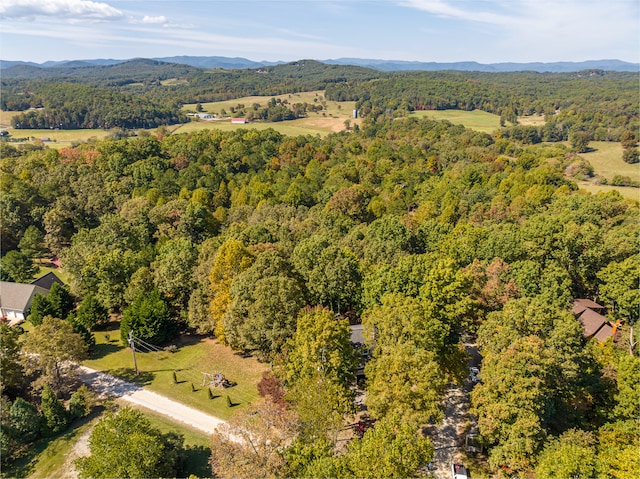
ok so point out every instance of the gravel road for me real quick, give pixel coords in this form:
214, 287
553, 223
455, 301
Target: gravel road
107, 385
447, 439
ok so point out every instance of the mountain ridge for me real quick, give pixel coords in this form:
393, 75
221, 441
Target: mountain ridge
378, 64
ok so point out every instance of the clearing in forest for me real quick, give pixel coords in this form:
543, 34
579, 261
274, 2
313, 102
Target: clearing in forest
193, 356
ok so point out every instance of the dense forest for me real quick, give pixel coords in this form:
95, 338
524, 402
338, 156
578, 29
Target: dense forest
423, 231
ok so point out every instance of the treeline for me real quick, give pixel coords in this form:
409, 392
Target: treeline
602, 104
421, 230
68, 106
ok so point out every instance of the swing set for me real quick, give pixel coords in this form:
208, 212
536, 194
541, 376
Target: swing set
216, 380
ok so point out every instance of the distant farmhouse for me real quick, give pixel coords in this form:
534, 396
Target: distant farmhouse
16, 298
594, 324
238, 121
202, 116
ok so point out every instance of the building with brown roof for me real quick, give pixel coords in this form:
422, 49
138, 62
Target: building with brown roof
595, 325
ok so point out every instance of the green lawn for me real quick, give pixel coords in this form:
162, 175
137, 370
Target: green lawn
46, 267
476, 120
194, 356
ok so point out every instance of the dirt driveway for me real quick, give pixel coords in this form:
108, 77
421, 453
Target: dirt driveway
110, 386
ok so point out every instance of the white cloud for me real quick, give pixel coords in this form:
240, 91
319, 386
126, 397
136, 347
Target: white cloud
68, 9
445, 9
155, 20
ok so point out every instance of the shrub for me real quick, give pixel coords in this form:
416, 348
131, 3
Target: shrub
81, 402
631, 156
25, 420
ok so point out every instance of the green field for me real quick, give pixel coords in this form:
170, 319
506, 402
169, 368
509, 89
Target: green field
58, 138
194, 356
330, 120
625, 191
606, 159
476, 120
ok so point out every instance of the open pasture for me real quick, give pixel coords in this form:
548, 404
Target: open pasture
6, 116
331, 119
531, 120
194, 356
313, 125
476, 120
606, 159
58, 138
625, 191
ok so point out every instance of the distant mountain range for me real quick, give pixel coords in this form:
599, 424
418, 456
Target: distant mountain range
382, 65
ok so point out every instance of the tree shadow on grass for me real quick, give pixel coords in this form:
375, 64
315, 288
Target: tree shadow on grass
143, 378
104, 349
196, 461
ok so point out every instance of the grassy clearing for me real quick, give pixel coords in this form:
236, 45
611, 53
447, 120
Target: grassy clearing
330, 120
606, 159
291, 128
476, 120
533, 120
6, 116
46, 267
625, 191
342, 109
59, 138
194, 356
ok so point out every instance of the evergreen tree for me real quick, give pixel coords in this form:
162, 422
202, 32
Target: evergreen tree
54, 415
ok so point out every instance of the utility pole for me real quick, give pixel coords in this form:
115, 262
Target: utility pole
133, 351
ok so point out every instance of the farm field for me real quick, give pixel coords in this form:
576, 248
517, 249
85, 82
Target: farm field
330, 120
606, 159
343, 109
302, 126
476, 120
59, 138
625, 191
194, 356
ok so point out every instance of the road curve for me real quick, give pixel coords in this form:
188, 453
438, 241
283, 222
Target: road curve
107, 385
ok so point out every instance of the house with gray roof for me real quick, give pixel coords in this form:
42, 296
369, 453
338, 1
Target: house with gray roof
16, 298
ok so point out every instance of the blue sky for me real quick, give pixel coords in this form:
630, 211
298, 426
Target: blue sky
485, 31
